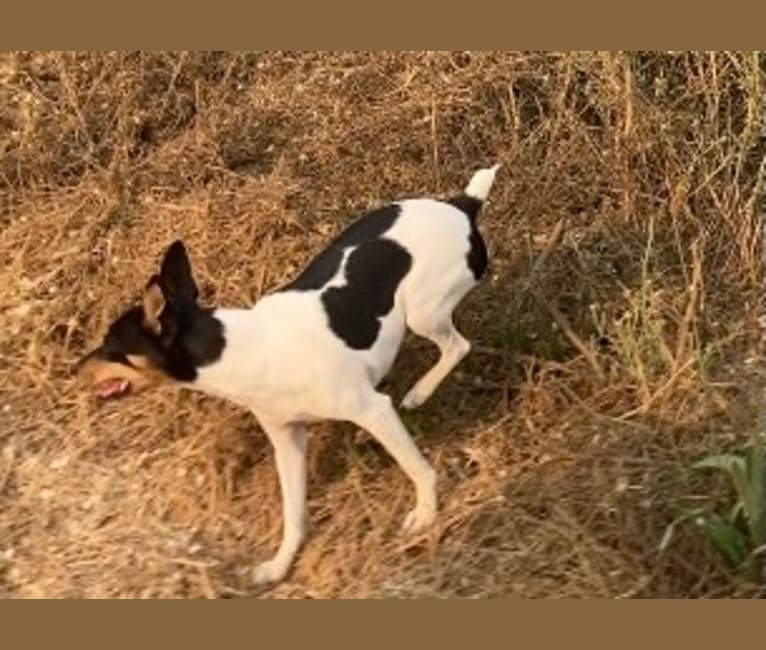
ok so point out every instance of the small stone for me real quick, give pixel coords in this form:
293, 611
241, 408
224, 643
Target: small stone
622, 485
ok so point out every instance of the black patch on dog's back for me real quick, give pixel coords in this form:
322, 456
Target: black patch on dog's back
324, 266
373, 272
476, 258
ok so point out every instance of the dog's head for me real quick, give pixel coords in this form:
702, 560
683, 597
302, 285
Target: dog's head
167, 337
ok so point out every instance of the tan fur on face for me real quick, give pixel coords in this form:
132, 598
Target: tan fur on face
154, 303
95, 370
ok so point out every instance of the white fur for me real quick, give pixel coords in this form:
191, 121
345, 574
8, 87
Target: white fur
481, 183
283, 362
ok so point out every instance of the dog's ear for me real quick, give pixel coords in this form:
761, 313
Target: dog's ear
176, 280
153, 303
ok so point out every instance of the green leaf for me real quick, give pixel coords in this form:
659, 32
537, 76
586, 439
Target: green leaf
737, 510
726, 538
755, 501
671, 528
734, 465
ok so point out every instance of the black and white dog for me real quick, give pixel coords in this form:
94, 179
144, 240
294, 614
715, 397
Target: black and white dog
318, 347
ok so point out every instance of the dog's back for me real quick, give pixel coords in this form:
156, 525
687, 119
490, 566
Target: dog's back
409, 262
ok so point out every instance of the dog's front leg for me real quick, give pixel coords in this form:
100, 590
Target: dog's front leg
289, 442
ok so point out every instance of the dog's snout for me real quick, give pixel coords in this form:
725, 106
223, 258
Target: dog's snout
78, 366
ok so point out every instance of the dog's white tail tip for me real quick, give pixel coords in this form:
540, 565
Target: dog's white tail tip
481, 183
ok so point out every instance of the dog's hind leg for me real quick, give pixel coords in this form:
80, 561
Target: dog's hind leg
377, 415
453, 347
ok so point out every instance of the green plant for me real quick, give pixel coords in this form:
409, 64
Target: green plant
740, 533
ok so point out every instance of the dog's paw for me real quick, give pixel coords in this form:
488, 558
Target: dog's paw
413, 399
269, 572
418, 520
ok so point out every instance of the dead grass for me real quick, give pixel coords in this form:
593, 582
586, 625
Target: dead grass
617, 340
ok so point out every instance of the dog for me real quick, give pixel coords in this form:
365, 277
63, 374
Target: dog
316, 348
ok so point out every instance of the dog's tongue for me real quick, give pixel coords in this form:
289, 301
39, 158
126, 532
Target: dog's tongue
110, 387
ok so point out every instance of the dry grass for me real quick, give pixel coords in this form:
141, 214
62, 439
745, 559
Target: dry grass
616, 342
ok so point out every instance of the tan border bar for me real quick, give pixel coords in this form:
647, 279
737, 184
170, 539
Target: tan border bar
356, 25
496, 624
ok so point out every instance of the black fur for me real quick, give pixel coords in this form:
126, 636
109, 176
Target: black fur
190, 337
189, 340
373, 272
476, 258
176, 280
198, 341
467, 204
325, 265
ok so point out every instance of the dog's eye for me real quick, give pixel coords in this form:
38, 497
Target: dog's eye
118, 357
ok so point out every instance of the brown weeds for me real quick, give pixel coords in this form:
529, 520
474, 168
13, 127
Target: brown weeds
616, 340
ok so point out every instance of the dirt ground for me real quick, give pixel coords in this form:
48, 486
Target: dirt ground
616, 341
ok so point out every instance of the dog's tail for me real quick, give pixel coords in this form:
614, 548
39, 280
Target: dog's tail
476, 192
481, 183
